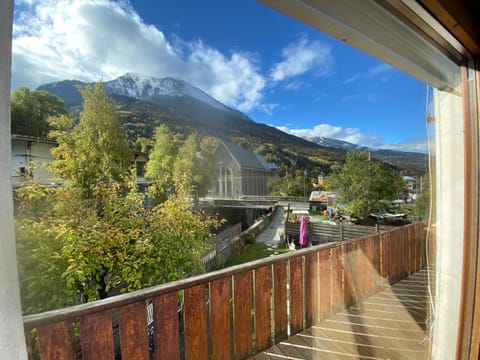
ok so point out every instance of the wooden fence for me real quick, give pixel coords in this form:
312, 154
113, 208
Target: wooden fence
320, 233
222, 243
235, 312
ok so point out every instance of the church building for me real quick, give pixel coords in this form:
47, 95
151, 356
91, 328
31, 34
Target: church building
241, 172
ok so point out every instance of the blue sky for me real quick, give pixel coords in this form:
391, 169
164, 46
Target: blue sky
275, 69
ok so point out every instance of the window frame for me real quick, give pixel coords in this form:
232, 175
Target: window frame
450, 28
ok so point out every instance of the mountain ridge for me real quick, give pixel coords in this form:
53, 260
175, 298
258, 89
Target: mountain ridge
146, 102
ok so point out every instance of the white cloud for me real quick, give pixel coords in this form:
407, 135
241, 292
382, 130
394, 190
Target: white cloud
294, 85
268, 108
419, 145
382, 69
234, 80
352, 135
302, 56
100, 39
355, 136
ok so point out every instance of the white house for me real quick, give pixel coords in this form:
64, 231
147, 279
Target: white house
30, 157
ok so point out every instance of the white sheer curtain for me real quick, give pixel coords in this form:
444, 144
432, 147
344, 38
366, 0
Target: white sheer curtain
448, 221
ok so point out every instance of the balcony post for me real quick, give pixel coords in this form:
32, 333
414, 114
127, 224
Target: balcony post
12, 339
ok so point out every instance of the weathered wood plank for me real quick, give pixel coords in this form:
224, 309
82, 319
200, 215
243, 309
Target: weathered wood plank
133, 331
195, 323
369, 268
28, 343
352, 253
375, 241
242, 314
324, 300
280, 301
312, 294
96, 334
387, 261
220, 318
262, 308
412, 231
296, 295
336, 278
398, 255
165, 317
349, 293
364, 265
423, 246
56, 341
419, 249
392, 244
406, 252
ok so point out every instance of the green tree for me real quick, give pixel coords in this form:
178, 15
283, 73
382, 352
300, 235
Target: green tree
180, 166
161, 160
294, 183
39, 252
70, 253
194, 166
96, 149
185, 165
363, 184
93, 237
30, 111
206, 165
423, 201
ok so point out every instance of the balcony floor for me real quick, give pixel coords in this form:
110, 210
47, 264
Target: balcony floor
391, 325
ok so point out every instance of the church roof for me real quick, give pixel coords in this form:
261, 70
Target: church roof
247, 158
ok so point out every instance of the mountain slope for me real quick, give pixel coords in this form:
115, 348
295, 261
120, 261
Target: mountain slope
146, 102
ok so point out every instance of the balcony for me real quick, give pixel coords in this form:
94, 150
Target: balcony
255, 309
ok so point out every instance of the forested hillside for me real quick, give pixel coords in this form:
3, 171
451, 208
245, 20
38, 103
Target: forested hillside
185, 109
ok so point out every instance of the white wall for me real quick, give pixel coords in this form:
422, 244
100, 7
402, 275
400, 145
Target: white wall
41, 155
19, 158
35, 156
12, 341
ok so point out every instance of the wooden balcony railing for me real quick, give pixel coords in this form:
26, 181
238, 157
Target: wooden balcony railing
234, 312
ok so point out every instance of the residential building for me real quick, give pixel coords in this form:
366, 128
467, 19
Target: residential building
320, 200
410, 183
30, 156
411, 188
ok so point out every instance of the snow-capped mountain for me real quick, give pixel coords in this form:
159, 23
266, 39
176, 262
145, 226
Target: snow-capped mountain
145, 87
334, 143
150, 101
345, 145
135, 86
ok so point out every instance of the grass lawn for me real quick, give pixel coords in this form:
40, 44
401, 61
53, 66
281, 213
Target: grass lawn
253, 252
